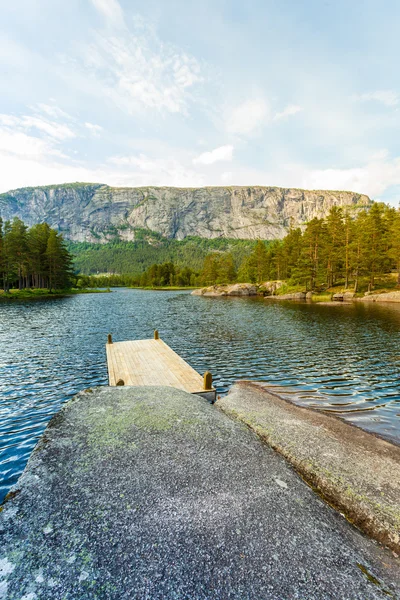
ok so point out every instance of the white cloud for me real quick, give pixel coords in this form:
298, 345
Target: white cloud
371, 179
38, 166
111, 10
248, 116
94, 129
386, 97
52, 129
19, 144
226, 177
137, 70
54, 111
144, 170
290, 110
218, 154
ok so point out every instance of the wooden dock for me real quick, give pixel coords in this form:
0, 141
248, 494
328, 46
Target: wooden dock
153, 362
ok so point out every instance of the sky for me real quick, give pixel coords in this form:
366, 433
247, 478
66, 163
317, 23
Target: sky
193, 93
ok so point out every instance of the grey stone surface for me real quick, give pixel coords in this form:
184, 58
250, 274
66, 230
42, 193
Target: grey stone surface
151, 493
93, 212
234, 289
356, 471
384, 297
293, 296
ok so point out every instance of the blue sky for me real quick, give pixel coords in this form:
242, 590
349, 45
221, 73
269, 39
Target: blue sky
184, 93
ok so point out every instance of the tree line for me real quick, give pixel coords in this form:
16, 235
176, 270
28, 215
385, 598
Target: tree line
341, 249
338, 248
34, 257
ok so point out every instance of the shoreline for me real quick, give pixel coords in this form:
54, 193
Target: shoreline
46, 295
268, 292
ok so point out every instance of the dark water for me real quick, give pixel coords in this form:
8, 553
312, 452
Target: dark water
344, 358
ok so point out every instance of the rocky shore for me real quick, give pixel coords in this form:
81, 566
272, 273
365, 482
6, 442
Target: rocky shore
237, 289
384, 297
270, 291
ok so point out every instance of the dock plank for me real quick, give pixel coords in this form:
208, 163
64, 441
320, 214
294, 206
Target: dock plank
150, 363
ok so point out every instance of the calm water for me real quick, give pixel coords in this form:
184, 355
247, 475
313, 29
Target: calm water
344, 358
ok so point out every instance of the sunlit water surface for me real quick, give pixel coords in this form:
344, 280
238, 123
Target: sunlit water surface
341, 358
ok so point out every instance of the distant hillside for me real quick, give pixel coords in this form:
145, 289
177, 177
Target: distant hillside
133, 258
92, 212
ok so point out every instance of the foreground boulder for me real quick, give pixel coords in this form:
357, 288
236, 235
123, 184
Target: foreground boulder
356, 471
150, 493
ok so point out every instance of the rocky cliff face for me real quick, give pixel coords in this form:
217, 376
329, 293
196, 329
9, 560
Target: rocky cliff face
95, 212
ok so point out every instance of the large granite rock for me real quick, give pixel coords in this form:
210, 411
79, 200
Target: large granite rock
154, 494
385, 297
269, 288
97, 213
356, 471
293, 296
343, 297
235, 289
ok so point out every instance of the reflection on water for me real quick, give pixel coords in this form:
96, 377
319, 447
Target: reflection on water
341, 358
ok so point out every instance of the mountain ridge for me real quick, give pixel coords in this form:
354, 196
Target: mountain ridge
96, 212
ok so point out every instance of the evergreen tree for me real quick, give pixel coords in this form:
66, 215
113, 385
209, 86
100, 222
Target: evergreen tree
394, 233
209, 272
373, 231
334, 245
310, 263
226, 269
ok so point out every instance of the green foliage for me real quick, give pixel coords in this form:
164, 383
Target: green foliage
133, 258
33, 258
344, 249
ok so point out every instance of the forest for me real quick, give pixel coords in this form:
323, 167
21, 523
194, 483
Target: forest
148, 248
341, 248
33, 257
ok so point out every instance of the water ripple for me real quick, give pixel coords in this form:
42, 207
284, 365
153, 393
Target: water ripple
344, 359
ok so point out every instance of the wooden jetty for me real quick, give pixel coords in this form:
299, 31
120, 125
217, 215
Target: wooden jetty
153, 362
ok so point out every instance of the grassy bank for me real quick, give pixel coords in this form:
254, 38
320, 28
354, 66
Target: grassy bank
32, 294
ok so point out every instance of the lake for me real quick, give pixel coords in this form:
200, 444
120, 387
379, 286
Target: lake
340, 358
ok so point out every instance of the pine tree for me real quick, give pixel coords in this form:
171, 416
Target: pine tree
394, 251
38, 236
58, 261
334, 245
209, 272
226, 269
373, 233
312, 246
